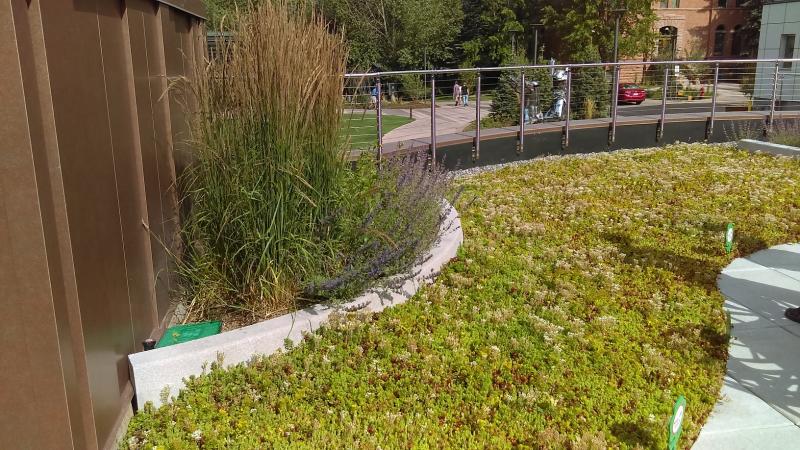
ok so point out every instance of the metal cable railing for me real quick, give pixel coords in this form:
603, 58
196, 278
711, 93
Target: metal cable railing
563, 93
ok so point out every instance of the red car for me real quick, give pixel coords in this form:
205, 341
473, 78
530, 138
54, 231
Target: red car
631, 93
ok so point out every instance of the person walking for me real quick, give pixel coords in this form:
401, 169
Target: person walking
373, 98
465, 96
457, 93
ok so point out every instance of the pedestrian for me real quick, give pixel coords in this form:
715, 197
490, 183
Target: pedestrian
373, 97
465, 96
457, 93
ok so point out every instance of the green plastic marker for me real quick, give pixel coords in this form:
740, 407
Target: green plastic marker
729, 238
675, 422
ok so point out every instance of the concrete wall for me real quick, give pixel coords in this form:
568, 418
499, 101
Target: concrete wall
88, 130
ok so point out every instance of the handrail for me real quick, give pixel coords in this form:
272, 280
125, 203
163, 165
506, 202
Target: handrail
531, 115
564, 66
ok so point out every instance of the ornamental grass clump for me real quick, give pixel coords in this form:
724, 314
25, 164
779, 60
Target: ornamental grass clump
786, 132
267, 163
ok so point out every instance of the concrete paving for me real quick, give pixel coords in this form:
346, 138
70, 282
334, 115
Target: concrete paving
449, 119
760, 399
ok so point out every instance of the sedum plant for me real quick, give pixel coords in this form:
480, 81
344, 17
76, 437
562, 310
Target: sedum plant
583, 303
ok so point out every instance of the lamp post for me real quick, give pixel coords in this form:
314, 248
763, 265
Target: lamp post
618, 12
536, 42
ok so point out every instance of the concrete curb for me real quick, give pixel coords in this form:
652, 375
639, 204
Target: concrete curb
754, 146
165, 368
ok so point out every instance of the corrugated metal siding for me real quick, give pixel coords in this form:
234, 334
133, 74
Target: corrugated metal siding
91, 133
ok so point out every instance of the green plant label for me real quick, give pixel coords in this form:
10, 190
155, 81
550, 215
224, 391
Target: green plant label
729, 238
675, 423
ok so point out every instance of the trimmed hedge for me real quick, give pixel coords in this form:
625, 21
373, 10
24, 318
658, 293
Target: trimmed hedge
582, 304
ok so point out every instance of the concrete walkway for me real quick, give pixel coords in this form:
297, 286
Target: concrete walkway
760, 399
449, 119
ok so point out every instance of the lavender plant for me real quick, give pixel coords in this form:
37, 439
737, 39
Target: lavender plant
387, 220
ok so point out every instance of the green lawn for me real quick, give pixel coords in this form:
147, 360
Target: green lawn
582, 304
362, 129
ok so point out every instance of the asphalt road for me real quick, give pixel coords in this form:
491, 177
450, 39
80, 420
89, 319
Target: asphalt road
653, 107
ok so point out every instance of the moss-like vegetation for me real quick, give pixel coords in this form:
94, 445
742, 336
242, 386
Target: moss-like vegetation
581, 305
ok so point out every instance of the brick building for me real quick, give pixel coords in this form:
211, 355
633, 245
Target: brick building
700, 28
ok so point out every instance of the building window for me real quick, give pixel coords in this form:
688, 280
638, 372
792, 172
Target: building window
670, 3
741, 3
738, 43
787, 49
719, 40
667, 43
722, 3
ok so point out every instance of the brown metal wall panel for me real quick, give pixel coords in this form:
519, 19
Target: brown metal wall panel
35, 78
33, 400
177, 29
82, 119
87, 106
126, 149
166, 188
151, 117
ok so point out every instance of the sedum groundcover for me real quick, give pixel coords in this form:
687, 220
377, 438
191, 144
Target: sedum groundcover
582, 304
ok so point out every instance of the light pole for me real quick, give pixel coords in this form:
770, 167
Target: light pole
617, 17
536, 42
618, 12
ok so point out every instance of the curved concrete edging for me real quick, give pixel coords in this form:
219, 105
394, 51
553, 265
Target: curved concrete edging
153, 371
759, 405
754, 146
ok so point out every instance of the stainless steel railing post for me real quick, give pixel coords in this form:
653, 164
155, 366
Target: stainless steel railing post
568, 106
774, 99
379, 119
476, 153
710, 130
664, 93
614, 104
433, 120
521, 140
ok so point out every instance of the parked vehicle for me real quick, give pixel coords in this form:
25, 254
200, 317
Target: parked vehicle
631, 93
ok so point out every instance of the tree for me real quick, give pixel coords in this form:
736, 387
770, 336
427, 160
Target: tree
752, 28
505, 106
590, 90
696, 73
219, 9
490, 28
413, 86
396, 34
505, 103
576, 25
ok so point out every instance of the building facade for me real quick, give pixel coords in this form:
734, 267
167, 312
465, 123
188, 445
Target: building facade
779, 39
697, 29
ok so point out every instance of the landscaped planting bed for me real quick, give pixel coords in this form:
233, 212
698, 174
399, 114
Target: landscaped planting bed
583, 303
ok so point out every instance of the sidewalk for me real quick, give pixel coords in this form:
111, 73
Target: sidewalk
449, 119
760, 398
